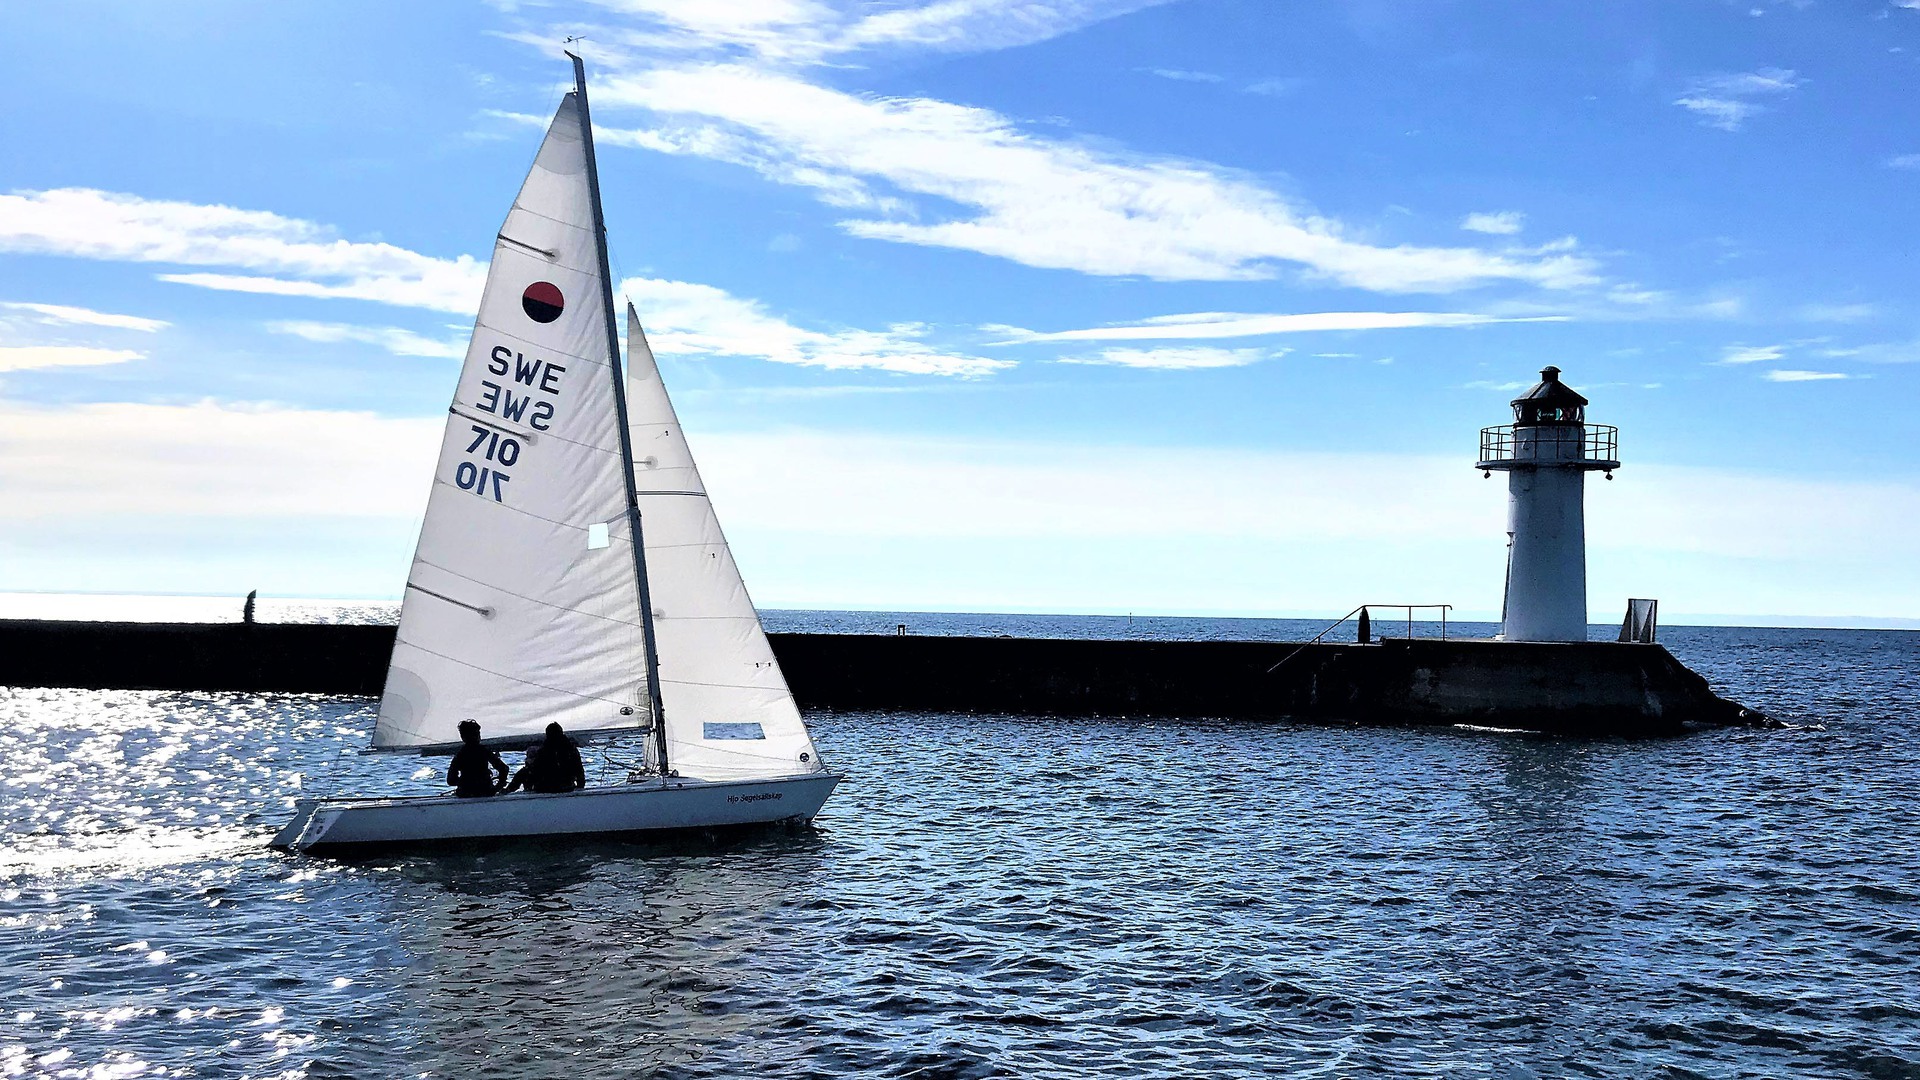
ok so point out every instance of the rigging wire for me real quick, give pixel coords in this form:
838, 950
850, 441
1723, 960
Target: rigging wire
634, 769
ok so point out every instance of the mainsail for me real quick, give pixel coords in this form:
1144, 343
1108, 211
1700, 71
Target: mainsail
729, 714
522, 606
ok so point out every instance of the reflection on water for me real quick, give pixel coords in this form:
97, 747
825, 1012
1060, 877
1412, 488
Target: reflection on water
1000, 896
612, 950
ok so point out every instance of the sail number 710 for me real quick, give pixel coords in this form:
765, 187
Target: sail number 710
501, 450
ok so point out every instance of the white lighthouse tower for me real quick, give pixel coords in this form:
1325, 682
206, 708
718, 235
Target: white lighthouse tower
1547, 453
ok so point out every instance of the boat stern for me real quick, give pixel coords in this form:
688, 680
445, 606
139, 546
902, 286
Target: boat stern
291, 835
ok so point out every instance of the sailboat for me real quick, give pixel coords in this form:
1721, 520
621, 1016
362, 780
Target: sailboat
536, 596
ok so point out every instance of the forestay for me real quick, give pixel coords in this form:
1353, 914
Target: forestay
729, 714
512, 615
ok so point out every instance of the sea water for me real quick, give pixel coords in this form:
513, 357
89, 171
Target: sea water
1001, 895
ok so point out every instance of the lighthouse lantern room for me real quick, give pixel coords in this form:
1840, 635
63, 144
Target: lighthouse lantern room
1546, 453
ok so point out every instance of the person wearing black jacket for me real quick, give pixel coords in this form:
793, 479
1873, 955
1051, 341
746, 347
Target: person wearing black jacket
556, 765
475, 771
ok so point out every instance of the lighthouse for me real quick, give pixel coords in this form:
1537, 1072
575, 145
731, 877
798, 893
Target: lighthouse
1547, 453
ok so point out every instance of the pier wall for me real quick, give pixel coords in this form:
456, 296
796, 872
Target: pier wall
327, 659
1584, 688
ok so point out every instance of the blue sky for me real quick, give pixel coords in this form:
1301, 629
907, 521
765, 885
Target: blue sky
1062, 305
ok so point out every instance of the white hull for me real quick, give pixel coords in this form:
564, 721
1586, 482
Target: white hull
326, 825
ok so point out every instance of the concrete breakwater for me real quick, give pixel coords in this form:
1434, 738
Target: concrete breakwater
1570, 688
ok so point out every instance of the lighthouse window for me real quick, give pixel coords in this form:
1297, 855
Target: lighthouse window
1530, 413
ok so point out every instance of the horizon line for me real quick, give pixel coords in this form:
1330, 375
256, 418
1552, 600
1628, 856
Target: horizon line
1771, 621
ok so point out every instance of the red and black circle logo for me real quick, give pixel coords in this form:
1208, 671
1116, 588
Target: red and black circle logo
543, 302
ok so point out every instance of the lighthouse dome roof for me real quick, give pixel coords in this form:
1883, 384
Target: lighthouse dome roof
1550, 401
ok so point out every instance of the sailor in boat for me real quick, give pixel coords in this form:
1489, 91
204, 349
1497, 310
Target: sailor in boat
553, 766
523, 776
560, 768
475, 771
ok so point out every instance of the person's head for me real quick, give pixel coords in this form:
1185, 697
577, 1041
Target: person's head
470, 732
554, 732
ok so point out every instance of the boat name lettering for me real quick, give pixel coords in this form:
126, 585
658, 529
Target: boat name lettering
758, 796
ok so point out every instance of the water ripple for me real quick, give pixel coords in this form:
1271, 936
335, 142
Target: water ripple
999, 896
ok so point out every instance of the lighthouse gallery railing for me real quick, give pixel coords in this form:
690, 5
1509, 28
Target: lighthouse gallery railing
1595, 442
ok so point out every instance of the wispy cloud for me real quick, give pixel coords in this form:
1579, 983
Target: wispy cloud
1500, 223
1178, 75
900, 163
686, 319
31, 357
1792, 375
1279, 86
302, 258
1879, 352
810, 393
1185, 358
1627, 301
284, 255
1728, 101
1909, 162
391, 338
1227, 324
972, 25
809, 32
62, 315
1751, 354
1838, 313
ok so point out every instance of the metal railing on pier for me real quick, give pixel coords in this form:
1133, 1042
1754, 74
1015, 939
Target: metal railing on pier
1351, 615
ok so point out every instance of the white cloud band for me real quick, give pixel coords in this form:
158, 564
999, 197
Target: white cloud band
64, 315
1028, 198
1228, 324
32, 357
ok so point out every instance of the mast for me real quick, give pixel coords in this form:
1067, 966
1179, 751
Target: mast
620, 408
